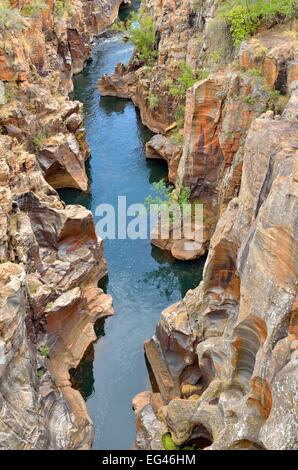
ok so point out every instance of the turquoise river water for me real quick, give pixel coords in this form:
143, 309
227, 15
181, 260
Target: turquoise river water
142, 279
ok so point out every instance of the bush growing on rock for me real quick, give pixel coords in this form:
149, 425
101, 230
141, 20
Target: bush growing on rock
10, 18
244, 16
187, 78
180, 115
62, 8
140, 29
153, 101
39, 139
167, 196
34, 8
169, 444
44, 351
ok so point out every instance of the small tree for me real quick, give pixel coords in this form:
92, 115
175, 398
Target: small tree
140, 29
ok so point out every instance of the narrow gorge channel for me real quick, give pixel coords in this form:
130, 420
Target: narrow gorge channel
142, 280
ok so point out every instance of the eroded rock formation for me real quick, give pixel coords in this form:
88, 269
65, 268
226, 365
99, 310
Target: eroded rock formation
233, 340
51, 258
219, 109
225, 357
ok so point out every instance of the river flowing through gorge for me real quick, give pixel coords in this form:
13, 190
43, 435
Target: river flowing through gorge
142, 280
118, 343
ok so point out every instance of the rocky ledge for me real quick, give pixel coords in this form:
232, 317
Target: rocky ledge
51, 258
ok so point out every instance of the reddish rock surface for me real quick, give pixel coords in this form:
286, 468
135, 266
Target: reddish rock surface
234, 336
161, 147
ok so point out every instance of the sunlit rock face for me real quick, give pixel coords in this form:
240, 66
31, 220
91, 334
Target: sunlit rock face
51, 263
176, 41
233, 88
234, 338
221, 109
51, 258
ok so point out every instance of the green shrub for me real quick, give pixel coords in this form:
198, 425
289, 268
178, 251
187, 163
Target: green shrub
32, 288
140, 29
177, 137
39, 139
62, 8
152, 101
168, 442
166, 197
40, 372
10, 18
180, 115
34, 8
187, 78
255, 72
276, 101
244, 16
163, 193
44, 351
251, 100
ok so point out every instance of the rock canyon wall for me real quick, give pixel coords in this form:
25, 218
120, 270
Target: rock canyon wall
225, 357
201, 131
51, 258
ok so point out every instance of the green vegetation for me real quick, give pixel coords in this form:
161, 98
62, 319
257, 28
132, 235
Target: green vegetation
140, 29
168, 198
40, 372
34, 8
62, 8
169, 444
180, 115
39, 139
276, 101
152, 101
10, 18
10, 91
254, 72
49, 305
44, 351
250, 100
187, 78
177, 136
163, 194
261, 51
32, 288
216, 56
245, 16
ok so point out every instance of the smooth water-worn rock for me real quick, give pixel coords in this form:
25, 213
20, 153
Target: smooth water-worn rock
223, 356
219, 109
161, 147
235, 335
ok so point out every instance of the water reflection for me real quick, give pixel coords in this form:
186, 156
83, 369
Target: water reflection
142, 280
111, 105
169, 277
82, 378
